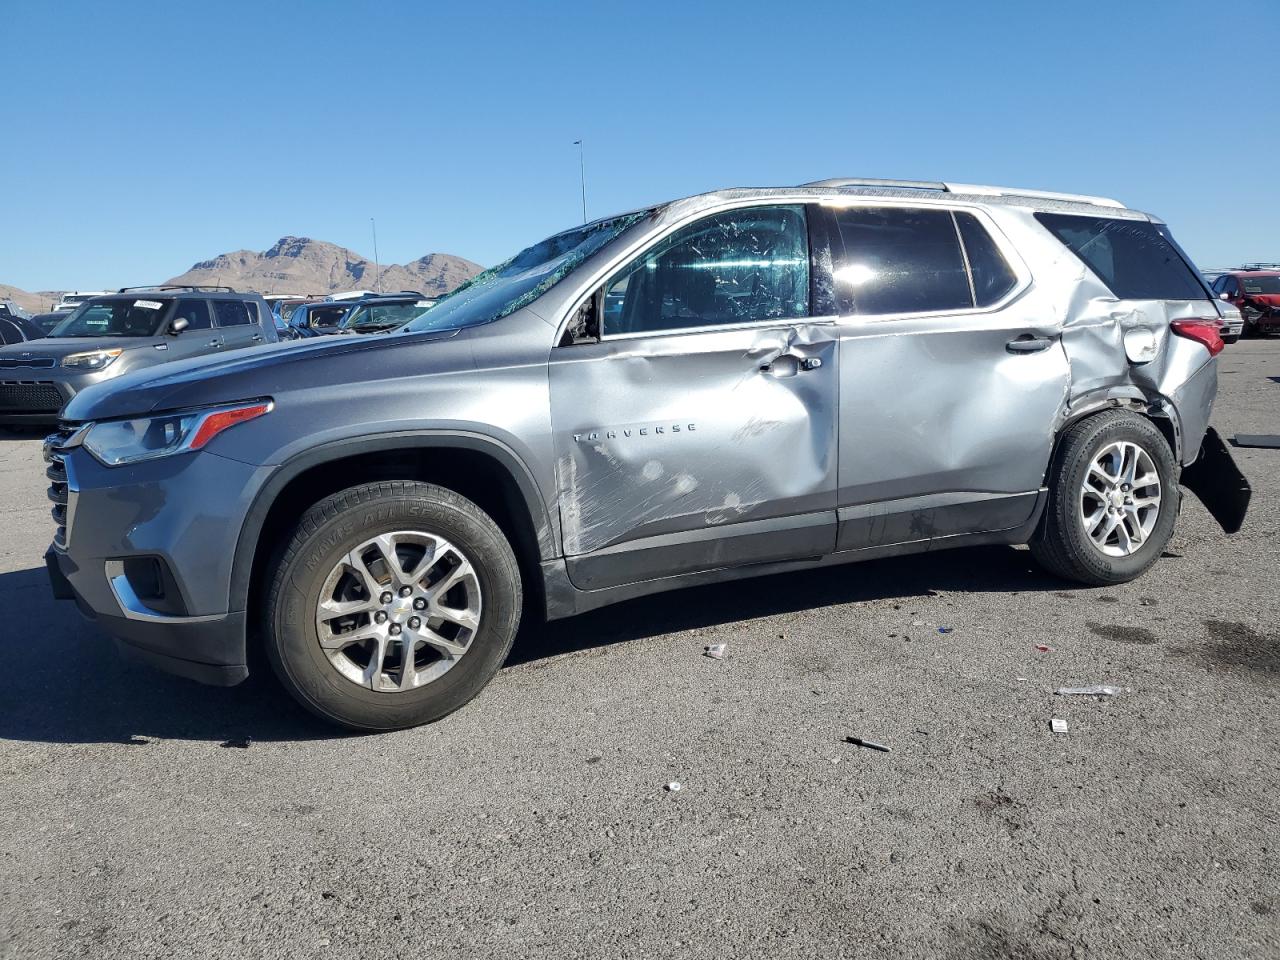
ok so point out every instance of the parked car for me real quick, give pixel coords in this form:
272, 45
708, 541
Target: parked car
385, 314
16, 327
47, 321
73, 298
109, 336
791, 378
318, 318
1256, 294
282, 304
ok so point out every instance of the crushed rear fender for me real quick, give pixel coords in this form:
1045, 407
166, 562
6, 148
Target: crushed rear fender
1218, 482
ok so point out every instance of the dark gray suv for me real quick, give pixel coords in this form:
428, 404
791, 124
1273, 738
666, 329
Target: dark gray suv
106, 337
729, 385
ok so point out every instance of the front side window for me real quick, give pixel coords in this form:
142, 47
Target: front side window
231, 313
900, 260
195, 312
126, 317
744, 266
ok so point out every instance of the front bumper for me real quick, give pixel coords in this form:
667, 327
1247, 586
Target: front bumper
196, 649
180, 515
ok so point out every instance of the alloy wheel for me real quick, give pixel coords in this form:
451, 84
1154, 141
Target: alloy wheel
399, 611
1120, 498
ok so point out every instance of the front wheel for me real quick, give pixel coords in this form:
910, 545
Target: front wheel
1113, 499
392, 606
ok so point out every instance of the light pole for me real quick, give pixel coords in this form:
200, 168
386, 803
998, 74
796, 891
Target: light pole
376, 269
582, 175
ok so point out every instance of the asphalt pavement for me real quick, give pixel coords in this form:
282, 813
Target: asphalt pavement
147, 816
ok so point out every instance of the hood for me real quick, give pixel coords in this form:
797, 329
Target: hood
59, 347
259, 371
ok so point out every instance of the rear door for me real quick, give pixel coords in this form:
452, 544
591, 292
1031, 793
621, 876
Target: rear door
949, 388
698, 431
235, 324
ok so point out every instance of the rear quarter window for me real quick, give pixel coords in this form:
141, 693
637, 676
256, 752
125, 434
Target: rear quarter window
1137, 260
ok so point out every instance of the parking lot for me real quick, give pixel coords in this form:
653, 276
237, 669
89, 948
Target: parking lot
149, 816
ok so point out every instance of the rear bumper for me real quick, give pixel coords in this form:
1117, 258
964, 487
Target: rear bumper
205, 649
1216, 480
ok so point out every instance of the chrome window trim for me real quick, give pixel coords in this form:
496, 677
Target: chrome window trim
1021, 271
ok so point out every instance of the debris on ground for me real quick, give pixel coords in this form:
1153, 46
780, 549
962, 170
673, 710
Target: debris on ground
673, 786
715, 651
136, 741
1095, 691
946, 629
1057, 726
1266, 441
1044, 648
869, 744
239, 743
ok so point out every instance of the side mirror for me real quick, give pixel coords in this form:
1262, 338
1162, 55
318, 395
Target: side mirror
178, 326
1224, 295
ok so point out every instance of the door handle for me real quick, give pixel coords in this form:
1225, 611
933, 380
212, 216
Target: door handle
257, 338
1028, 343
215, 342
788, 365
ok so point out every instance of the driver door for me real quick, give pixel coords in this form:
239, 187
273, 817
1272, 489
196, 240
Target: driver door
696, 429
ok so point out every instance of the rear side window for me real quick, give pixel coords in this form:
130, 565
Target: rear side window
195, 312
900, 260
992, 276
231, 313
1135, 259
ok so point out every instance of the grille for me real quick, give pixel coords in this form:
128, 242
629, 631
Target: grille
25, 363
60, 487
30, 396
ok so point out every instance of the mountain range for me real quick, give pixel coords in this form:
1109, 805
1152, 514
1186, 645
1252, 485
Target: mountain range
300, 265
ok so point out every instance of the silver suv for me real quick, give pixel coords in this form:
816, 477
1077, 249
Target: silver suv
107, 336
729, 385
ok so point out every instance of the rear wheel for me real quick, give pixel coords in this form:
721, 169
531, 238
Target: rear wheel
1113, 500
392, 606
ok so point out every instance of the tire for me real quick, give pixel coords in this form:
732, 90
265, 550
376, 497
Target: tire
409, 516
1231, 339
1062, 544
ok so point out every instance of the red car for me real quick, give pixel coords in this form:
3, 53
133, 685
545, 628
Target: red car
1256, 293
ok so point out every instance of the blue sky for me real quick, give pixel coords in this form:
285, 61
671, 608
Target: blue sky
142, 137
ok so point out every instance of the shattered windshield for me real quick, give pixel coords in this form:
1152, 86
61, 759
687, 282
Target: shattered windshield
1260, 284
504, 289
115, 318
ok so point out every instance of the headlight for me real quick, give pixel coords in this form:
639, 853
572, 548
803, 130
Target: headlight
91, 359
119, 442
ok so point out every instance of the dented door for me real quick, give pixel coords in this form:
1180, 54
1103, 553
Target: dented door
687, 451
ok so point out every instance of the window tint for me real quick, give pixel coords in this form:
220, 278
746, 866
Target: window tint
736, 267
195, 312
992, 275
231, 313
899, 260
1137, 260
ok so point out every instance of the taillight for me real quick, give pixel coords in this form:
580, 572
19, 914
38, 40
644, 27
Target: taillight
1201, 331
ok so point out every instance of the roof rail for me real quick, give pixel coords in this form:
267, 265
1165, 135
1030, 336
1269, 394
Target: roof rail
969, 188
178, 286
838, 182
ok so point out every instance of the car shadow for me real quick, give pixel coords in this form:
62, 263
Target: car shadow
74, 687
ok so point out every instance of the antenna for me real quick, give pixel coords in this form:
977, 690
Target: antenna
376, 269
582, 175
